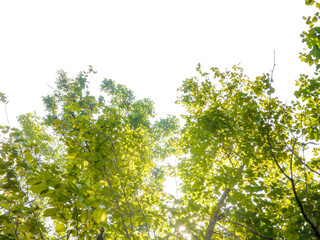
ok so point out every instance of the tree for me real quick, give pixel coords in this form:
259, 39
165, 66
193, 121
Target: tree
25, 154
100, 180
250, 167
244, 172
92, 167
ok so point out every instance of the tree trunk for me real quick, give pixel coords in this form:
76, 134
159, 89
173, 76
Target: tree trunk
215, 218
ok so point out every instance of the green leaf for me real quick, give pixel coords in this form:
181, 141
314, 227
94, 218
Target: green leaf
39, 187
50, 212
32, 181
5, 205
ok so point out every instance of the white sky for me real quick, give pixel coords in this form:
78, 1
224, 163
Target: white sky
150, 46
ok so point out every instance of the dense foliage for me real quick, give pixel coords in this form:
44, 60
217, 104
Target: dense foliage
93, 167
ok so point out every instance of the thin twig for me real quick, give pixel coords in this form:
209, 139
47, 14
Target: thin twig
251, 230
221, 235
314, 228
5, 108
145, 221
291, 158
224, 228
268, 123
121, 215
175, 177
122, 187
296, 156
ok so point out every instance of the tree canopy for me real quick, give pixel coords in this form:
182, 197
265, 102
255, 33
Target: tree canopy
94, 166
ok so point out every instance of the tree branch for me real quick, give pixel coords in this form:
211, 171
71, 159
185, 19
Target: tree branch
314, 228
216, 215
122, 187
121, 215
145, 222
213, 221
251, 230
307, 193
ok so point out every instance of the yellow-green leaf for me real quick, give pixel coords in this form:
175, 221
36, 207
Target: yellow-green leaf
99, 215
287, 201
61, 228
